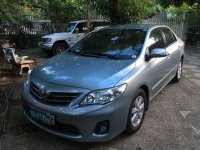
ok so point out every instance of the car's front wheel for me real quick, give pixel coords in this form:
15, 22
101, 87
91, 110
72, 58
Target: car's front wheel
136, 112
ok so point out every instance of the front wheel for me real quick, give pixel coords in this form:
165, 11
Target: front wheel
136, 112
59, 48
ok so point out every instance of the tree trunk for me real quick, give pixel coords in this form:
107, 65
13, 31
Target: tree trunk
88, 16
113, 11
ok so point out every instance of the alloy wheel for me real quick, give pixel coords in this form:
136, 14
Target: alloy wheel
137, 111
179, 72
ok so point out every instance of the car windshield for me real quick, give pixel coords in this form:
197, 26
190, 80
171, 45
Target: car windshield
70, 27
112, 43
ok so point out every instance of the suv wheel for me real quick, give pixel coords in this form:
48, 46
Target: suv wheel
59, 47
136, 112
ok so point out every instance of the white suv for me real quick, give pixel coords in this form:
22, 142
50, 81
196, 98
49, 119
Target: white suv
58, 42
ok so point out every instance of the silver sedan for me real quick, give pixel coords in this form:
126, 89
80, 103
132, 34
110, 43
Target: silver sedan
102, 85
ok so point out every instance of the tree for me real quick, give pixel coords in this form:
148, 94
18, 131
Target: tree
7, 10
122, 11
63, 11
113, 11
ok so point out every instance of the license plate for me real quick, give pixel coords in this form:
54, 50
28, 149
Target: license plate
43, 117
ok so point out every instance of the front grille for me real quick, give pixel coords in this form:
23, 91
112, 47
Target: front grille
53, 97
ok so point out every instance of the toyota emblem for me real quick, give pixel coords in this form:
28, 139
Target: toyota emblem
43, 93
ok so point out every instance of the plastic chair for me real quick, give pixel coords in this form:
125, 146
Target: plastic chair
18, 62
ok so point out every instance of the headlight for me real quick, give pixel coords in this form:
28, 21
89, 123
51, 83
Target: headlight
103, 96
28, 76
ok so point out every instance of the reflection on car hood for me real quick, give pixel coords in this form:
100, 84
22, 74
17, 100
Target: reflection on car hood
85, 72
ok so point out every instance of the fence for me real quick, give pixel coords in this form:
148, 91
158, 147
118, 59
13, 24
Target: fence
177, 24
28, 34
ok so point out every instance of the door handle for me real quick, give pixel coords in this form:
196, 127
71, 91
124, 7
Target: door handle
168, 55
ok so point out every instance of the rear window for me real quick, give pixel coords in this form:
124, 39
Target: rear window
80, 26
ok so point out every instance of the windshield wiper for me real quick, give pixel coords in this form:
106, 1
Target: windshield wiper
73, 52
85, 54
99, 55
91, 54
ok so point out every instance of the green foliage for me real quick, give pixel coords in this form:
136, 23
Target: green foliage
63, 11
175, 11
13, 11
132, 11
176, 3
119, 11
7, 10
192, 12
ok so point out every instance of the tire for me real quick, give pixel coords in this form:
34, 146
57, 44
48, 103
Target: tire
177, 77
59, 47
137, 110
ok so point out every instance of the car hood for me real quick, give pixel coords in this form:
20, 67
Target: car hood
83, 72
57, 35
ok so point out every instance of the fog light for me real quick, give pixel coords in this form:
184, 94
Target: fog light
102, 127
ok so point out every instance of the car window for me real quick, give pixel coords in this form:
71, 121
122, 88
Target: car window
156, 40
80, 26
70, 27
170, 37
122, 43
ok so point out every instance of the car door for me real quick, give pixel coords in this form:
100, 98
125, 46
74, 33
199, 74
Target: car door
173, 49
157, 67
76, 36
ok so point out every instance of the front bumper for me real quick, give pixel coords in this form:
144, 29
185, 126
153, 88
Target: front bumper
83, 118
47, 46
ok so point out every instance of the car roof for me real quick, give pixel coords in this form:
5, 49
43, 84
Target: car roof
134, 26
93, 20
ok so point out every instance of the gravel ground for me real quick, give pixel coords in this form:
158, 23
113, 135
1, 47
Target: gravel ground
172, 121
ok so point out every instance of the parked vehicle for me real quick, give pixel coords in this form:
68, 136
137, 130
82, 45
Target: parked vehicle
58, 42
102, 85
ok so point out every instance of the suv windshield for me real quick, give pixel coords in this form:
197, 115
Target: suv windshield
70, 27
113, 43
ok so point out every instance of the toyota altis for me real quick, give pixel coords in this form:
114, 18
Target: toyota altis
102, 85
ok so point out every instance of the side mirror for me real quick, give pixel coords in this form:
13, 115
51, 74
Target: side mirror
158, 52
77, 30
